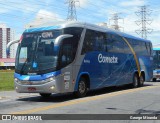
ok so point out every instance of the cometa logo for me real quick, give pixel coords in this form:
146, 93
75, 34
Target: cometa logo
47, 35
105, 59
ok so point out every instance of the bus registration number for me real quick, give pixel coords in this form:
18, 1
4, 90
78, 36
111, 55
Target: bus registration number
31, 89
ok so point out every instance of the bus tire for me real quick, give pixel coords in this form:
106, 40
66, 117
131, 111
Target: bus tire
45, 95
154, 79
141, 80
82, 88
135, 81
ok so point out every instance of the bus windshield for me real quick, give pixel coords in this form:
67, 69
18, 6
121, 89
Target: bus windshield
38, 54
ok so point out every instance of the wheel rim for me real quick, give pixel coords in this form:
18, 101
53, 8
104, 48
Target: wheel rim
141, 80
82, 87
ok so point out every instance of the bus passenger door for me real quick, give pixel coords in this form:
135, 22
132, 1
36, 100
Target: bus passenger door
67, 55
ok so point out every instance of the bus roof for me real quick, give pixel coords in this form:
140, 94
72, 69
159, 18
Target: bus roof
83, 25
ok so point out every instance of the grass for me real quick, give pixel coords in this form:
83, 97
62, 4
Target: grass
6, 80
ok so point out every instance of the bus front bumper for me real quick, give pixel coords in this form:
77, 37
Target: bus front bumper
31, 87
157, 76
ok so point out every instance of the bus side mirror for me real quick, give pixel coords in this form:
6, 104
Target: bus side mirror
9, 45
60, 38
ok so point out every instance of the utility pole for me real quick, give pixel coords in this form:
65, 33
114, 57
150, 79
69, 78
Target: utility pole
115, 20
72, 16
143, 13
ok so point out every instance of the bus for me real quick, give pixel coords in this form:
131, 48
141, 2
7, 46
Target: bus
156, 63
77, 57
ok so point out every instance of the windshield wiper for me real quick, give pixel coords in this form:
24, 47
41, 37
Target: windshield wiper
24, 64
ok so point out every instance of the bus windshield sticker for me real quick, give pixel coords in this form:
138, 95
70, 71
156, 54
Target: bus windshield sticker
34, 64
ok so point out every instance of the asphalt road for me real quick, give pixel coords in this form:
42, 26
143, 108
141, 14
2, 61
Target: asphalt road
113, 100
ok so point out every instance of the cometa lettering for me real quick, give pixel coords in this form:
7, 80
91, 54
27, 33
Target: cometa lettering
47, 35
105, 59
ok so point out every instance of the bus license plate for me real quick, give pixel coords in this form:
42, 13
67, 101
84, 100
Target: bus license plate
31, 89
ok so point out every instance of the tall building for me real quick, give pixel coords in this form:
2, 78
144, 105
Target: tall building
7, 35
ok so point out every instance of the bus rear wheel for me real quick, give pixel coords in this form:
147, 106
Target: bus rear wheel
141, 80
135, 81
45, 95
82, 88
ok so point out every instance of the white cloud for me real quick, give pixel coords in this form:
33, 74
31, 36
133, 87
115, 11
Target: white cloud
44, 14
155, 24
3, 10
132, 3
154, 36
83, 3
45, 17
129, 23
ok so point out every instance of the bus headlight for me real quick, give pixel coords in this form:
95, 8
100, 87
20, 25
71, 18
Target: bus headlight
50, 79
17, 81
16, 88
52, 87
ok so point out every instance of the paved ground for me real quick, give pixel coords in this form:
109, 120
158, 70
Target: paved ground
121, 100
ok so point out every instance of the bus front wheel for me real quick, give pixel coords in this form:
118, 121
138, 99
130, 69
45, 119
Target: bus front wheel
45, 95
82, 88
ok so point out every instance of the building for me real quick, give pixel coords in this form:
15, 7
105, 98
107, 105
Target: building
7, 35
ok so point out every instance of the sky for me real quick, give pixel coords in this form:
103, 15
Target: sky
20, 13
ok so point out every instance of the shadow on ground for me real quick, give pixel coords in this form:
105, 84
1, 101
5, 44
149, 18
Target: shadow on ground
70, 96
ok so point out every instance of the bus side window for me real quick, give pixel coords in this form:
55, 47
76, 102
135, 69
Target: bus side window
109, 43
142, 47
119, 44
136, 47
126, 47
115, 44
148, 49
99, 43
88, 42
94, 41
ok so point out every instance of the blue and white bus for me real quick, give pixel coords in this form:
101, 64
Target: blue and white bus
77, 57
156, 63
